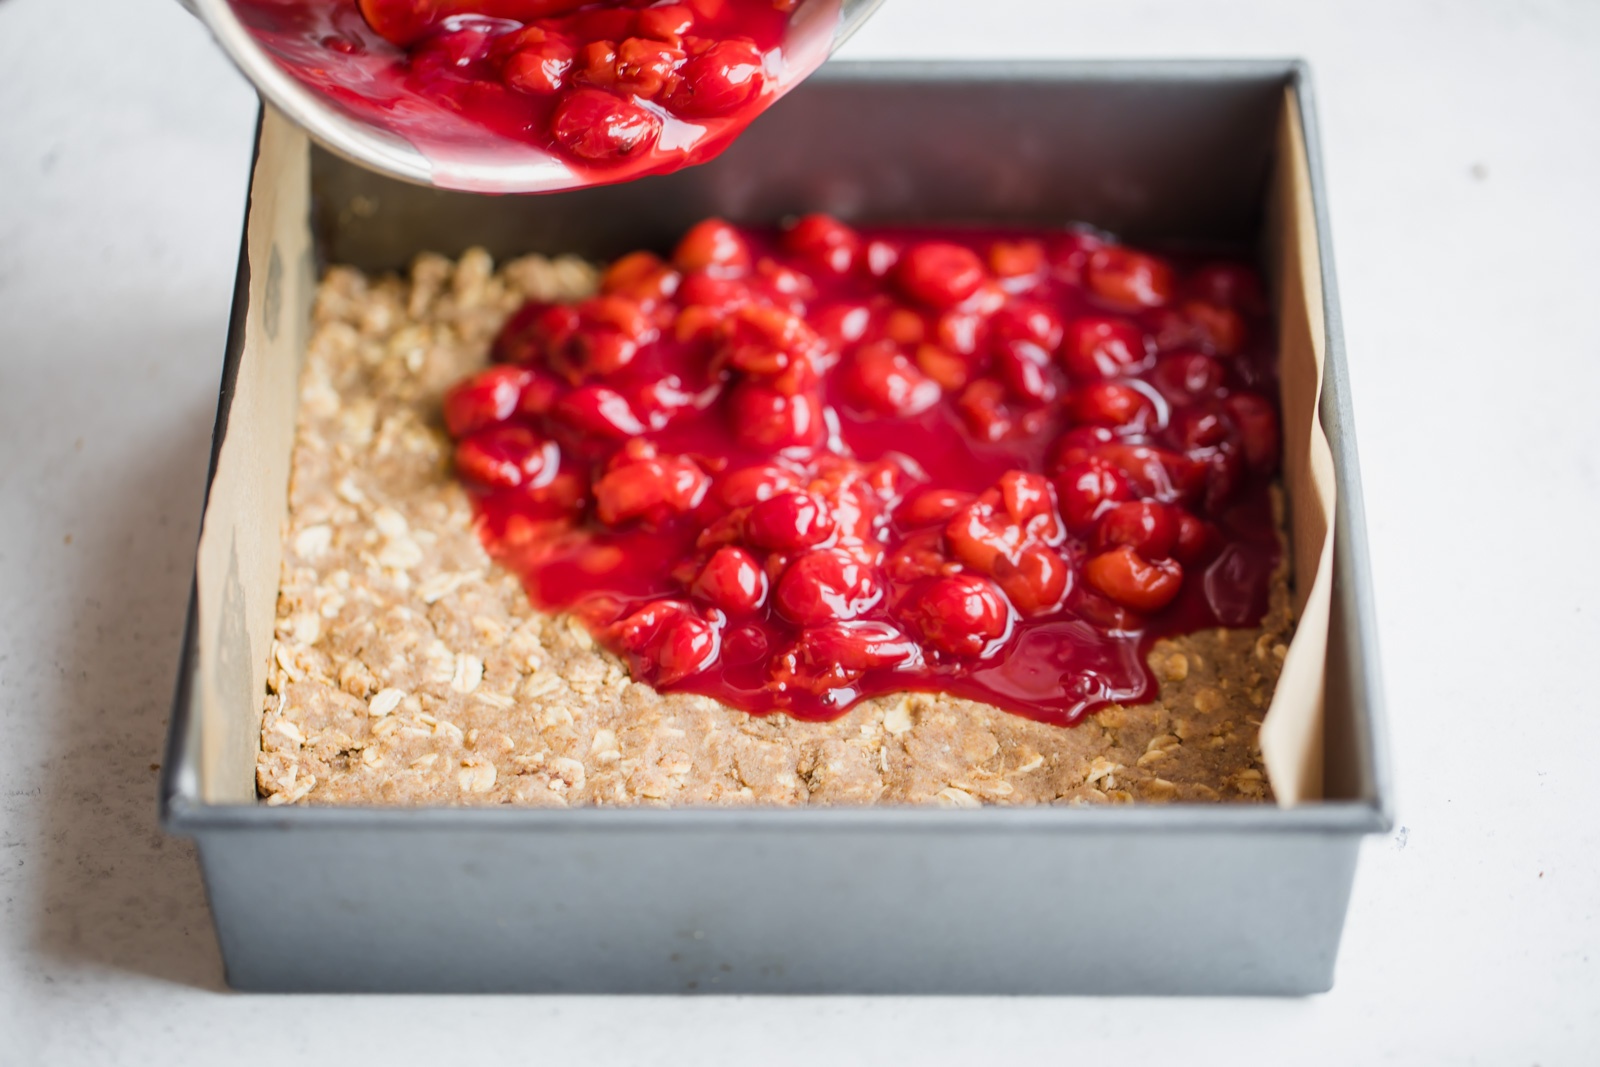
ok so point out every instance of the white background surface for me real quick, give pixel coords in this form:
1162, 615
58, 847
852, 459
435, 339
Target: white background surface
1462, 144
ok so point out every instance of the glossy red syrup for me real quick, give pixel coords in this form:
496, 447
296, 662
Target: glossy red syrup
794, 469
509, 95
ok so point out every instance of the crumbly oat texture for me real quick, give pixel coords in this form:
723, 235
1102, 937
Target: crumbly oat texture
408, 668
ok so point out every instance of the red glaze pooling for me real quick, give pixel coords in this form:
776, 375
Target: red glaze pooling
791, 470
554, 93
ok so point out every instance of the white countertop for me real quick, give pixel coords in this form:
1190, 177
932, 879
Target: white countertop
1462, 144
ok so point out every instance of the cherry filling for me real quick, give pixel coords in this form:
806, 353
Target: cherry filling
610, 90
794, 469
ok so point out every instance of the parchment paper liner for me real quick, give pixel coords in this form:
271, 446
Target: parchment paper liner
1291, 733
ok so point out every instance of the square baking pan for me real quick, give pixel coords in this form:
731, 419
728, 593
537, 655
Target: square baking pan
1240, 899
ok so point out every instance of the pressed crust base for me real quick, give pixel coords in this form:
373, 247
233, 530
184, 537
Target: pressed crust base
408, 668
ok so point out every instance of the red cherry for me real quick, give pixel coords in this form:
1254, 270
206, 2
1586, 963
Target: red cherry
1230, 285
766, 420
1069, 254
644, 66
1213, 326
881, 258
960, 330
1196, 540
772, 344
1099, 346
826, 585
746, 645
983, 409
599, 411
534, 332
933, 506
881, 379
961, 614
1149, 528
750, 485
626, 494
784, 286
855, 504
1025, 368
641, 277
943, 366
1036, 581
697, 325
659, 401
621, 313
733, 581
1009, 533
856, 646
1200, 426
540, 68
888, 476
671, 639
715, 248
1189, 374
1224, 474
898, 325
940, 275
1133, 581
777, 563
539, 396
831, 657
1112, 404
1087, 489
653, 488
400, 22
724, 530
1157, 472
506, 457
825, 241
1029, 501
1035, 323
624, 271
597, 63
1103, 613
1017, 259
723, 295
668, 23
565, 494
1128, 279
1257, 421
919, 556
595, 125
596, 352
448, 51
1079, 443
772, 327
789, 521
719, 80
975, 539
843, 324
487, 398
608, 336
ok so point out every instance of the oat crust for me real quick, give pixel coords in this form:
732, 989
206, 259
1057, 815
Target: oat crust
408, 668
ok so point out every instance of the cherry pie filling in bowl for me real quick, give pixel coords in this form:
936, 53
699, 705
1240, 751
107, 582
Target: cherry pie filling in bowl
794, 469
604, 90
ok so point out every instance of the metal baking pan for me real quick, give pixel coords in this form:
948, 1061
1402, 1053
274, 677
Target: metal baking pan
1137, 900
